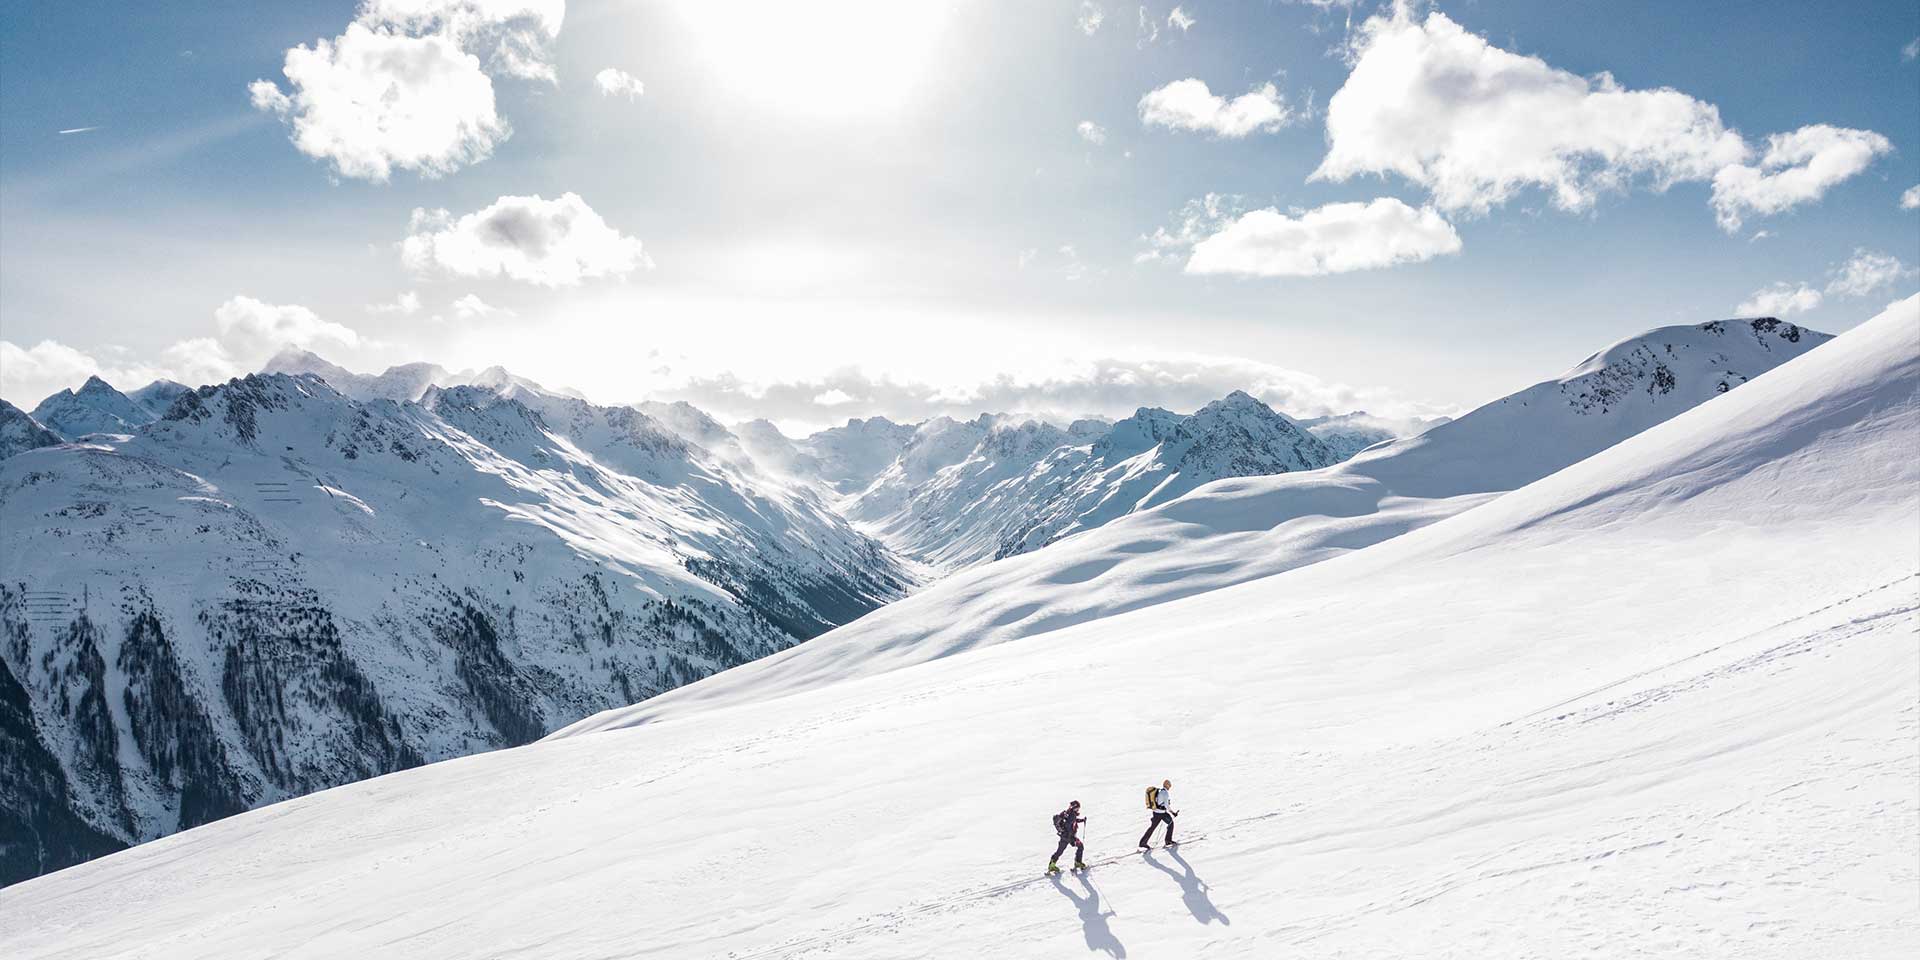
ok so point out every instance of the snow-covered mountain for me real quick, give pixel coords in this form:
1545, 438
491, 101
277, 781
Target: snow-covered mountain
1658, 702
962, 493
95, 408
850, 456
1236, 530
20, 432
278, 588
157, 396
402, 382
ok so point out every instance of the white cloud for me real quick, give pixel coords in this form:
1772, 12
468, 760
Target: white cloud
1475, 124
1149, 28
471, 307
247, 333
1865, 272
406, 305
29, 375
253, 329
557, 242
1910, 200
1336, 238
1074, 268
1180, 19
1092, 132
1797, 168
619, 83
1779, 300
1108, 387
1911, 50
513, 35
405, 85
1092, 15
1189, 105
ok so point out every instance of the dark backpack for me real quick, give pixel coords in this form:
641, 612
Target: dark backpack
1063, 822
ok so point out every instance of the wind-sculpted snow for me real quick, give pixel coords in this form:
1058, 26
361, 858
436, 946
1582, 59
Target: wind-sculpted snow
277, 589
1234, 530
1657, 703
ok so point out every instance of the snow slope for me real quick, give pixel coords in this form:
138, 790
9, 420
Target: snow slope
278, 589
1236, 530
1659, 703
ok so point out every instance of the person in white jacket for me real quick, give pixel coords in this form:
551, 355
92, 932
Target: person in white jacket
1162, 809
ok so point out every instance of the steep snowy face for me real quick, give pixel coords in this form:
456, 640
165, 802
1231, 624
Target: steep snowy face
95, 408
19, 432
775, 452
851, 456
278, 589
696, 427
157, 396
1684, 665
1238, 436
1143, 431
963, 493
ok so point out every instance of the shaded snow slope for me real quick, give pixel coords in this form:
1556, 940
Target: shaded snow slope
277, 589
1661, 703
1236, 530
20, 432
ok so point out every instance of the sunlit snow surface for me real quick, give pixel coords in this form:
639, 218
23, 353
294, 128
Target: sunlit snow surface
1662, 702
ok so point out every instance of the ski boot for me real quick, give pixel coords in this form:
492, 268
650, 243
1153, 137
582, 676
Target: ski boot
1053, 866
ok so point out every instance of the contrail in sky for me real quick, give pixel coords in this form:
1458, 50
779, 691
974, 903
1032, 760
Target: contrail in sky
77, 130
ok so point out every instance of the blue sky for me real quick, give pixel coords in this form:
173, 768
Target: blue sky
812, 212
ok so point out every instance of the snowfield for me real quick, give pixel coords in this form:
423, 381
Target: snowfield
1662, 702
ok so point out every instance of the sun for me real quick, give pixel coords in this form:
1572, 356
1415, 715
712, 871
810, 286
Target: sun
848, 59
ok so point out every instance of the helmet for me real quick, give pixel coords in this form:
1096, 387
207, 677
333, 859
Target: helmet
1074, 805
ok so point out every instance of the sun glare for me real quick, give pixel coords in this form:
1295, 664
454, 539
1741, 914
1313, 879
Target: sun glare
845, 60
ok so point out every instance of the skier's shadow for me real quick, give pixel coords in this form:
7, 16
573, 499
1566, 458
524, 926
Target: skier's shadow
1093, 922
1193, 890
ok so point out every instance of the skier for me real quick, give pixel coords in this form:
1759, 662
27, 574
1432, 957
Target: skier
1160, 803
1067, 823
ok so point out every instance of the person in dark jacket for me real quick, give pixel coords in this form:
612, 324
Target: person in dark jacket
1162, 809
1067, 823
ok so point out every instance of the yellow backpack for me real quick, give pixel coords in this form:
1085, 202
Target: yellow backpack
1153, 797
